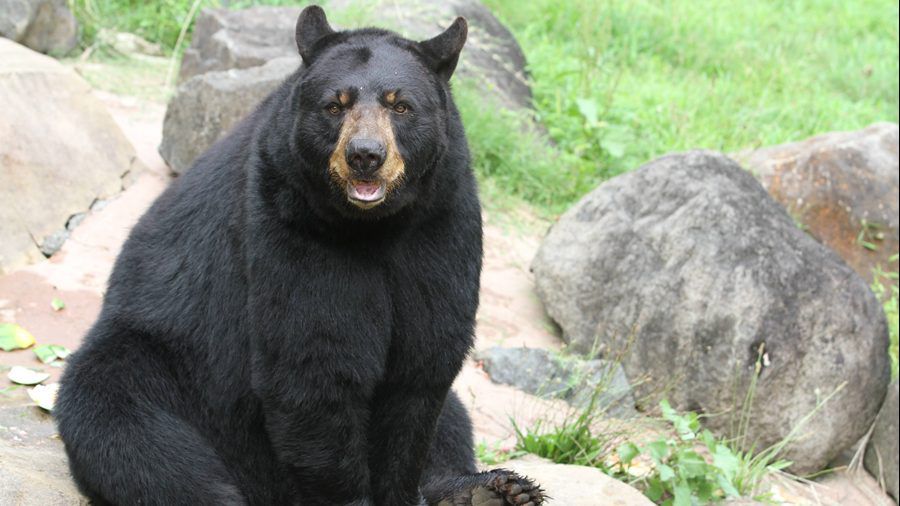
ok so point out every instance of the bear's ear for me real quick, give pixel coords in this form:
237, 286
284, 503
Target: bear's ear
444, 49
311, 26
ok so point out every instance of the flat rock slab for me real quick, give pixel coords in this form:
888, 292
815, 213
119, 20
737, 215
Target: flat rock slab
33, 465
582, 383
61, 151
569, 485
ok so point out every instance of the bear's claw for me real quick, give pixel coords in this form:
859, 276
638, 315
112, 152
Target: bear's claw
516, 490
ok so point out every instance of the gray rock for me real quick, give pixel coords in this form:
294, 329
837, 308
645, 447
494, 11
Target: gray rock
241, 40
539, 372
207, 106
840, 185
882, 451
225, 39
54, 242
47, 26
43, 188
15, 17
689, 264
33, 465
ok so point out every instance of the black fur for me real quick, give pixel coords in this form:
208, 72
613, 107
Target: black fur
262, 340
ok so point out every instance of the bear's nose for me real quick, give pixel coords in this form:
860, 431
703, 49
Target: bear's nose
365, 156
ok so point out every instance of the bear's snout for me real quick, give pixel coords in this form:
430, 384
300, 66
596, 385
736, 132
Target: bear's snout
365, 156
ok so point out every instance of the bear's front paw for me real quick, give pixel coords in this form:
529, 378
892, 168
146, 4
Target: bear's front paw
513, 489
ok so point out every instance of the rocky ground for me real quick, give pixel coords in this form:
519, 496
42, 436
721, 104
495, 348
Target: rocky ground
32, 469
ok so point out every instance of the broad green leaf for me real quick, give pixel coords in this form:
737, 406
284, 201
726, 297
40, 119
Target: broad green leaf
658, 450
690, 463
589, 110
728, 487
57, 304
666, 473
627, 452
726, 460
655, 489
14, 337
48, 353
682, 494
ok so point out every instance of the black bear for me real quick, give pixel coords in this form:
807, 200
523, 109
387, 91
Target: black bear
284, 324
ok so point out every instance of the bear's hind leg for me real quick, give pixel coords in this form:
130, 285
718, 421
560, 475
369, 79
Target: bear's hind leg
125, 444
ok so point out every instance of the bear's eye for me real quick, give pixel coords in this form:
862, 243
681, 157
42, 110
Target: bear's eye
401, 108
333, 109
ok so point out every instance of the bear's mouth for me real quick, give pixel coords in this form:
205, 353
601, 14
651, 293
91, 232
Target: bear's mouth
366, 194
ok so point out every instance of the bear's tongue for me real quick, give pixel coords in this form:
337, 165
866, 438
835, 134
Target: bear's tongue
366, 191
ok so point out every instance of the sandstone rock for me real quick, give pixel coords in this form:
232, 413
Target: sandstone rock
47, 26
33, 465
60, 151
249, 38
575, 380
577, 485
207, 106
882, 451
843, 187
691, 265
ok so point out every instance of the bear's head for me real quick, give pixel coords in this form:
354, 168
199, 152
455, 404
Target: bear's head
373, 113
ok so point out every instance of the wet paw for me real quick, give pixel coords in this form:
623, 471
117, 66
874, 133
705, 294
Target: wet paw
514, 490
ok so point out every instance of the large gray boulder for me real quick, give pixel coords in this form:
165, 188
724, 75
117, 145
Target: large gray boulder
47, 26
207, 106
883, 451
225, 39
241, 41
580, 382
843, 188
60, 151
689, 264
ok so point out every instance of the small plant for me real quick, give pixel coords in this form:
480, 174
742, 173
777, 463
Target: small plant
870, 235
570, 442
693, 467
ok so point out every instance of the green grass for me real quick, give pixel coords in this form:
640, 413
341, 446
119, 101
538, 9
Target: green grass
619, 82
